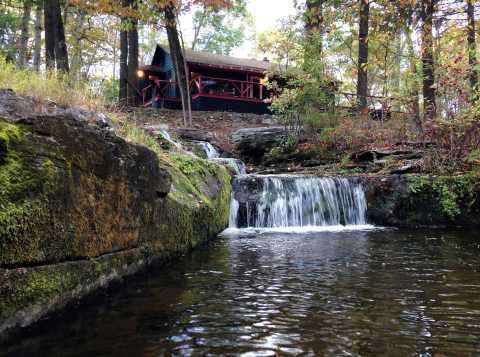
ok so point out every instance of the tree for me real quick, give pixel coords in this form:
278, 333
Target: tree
123, 89
314, 21
132, 64
176, 51
50, 16
61, 53
55, 44
219, 29
428, 65
362, 76
472, 47
37, 38
25, 34
282, 45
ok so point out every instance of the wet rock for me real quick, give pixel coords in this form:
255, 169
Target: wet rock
423, 201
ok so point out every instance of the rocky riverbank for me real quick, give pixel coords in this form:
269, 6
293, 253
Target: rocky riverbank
81, 206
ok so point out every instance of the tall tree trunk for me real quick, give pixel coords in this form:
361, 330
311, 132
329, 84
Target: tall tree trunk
50, 33
177, 55
362, 77
472, 49
61, 53
187, 74
414, 88
132, 91
428, 63
38, 38
314, 30
114, 55
123, 85
25, 34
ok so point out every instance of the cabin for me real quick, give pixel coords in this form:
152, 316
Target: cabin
217, 83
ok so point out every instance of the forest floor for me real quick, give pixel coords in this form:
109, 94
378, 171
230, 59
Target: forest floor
338, 146
220, 124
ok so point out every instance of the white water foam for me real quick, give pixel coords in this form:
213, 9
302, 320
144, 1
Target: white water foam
304, 204
300, 230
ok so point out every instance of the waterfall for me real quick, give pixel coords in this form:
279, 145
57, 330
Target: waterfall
290, 201
234, 206
237, 165
167, 137
209, 150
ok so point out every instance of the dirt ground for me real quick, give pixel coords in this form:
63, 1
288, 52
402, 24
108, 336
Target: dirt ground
220, 124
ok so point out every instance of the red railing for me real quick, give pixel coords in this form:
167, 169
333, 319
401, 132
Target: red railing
207, 87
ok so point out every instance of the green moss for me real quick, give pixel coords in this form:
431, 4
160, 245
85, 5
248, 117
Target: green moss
454, 194
24, 186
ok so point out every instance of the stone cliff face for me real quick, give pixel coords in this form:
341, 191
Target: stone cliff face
424, 201
80, 206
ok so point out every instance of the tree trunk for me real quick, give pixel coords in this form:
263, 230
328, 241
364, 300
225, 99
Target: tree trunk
25, 34
38, 38
313, 49
415, 88
187, 75
362, 77
50, 33
314, 26
123, 85
428, 65
132, 66
472, 49
177, 55
61, 53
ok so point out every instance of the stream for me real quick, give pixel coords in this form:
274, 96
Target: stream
346, 293
300, 272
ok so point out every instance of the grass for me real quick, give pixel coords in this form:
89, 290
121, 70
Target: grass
61, 89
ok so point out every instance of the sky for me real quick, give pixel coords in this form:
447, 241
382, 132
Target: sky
266, 14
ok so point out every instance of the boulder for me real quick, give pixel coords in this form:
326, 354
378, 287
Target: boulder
83, 190
423, 201
81, 207
253, 143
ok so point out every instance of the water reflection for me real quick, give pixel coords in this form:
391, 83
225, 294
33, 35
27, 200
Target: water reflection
353, 293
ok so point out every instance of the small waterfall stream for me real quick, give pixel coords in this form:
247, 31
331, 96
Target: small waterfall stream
209, 150
296, 201
212, 154
166, 135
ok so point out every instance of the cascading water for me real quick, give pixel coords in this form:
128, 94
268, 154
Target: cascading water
166, 136
209, 150
237, 165
289, 201
212, 154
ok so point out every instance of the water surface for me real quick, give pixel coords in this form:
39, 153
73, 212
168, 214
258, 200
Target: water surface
351, 293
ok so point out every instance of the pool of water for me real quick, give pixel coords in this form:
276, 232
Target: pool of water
352, 293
